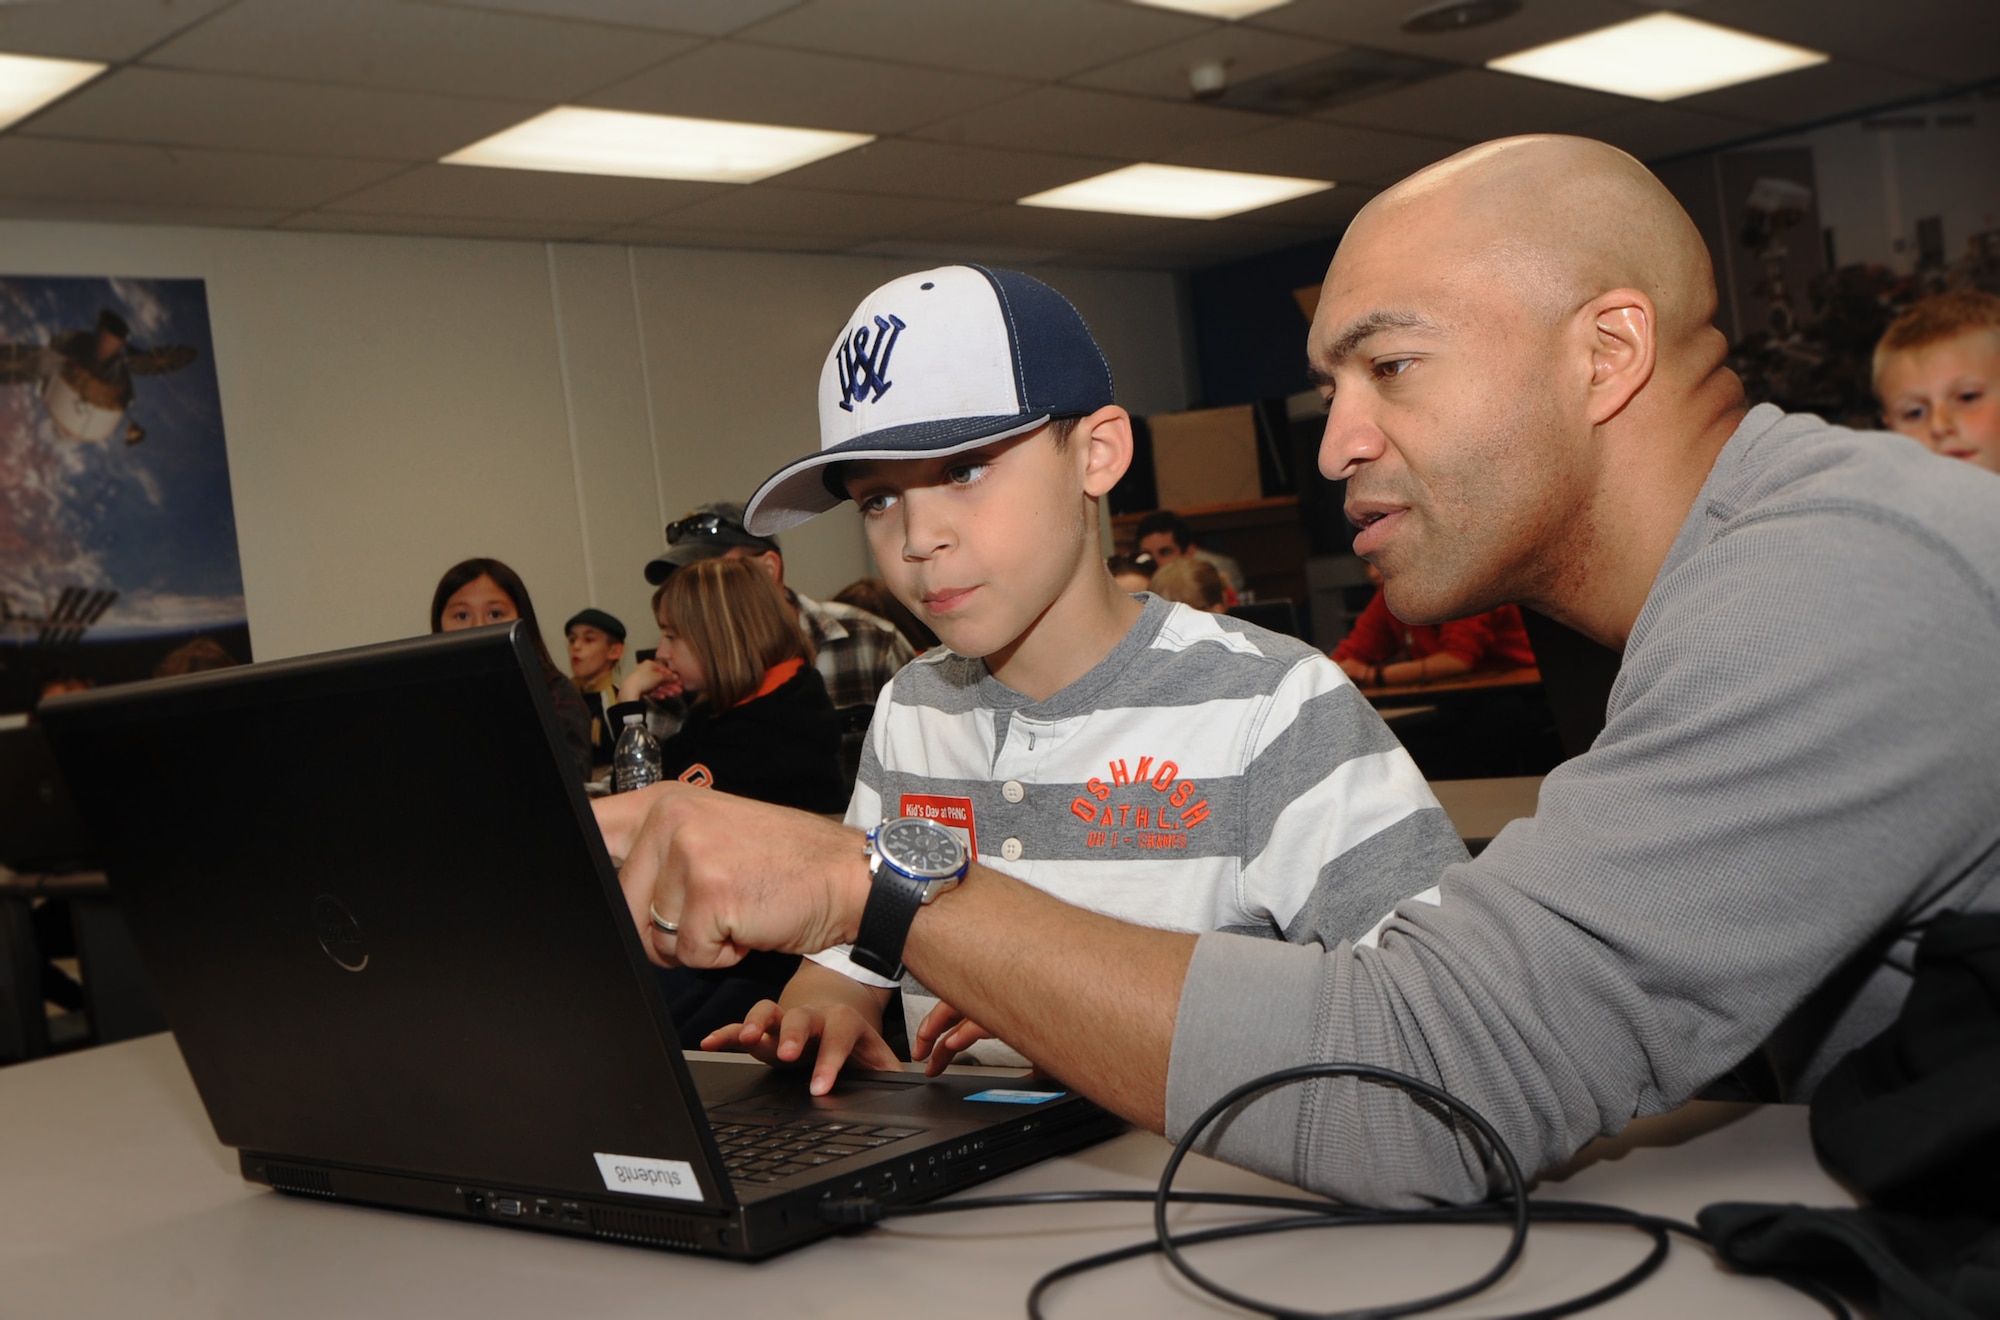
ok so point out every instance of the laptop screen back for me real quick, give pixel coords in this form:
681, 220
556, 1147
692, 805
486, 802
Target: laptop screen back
379, 915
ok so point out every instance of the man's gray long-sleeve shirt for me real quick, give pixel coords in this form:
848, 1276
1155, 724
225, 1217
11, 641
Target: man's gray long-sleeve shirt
1800, 766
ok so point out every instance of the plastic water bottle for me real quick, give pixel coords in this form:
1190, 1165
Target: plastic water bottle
635, 762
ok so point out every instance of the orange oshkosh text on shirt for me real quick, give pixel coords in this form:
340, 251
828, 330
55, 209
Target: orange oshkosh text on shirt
1156, 809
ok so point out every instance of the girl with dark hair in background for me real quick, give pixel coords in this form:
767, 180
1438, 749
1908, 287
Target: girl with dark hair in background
477, 592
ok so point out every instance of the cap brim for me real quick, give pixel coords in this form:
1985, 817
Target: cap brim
680, 556
799, 491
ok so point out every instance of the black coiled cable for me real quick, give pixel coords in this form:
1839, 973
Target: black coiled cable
1512, 1208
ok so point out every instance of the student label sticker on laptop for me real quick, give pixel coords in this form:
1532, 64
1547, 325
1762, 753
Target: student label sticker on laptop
673, 1179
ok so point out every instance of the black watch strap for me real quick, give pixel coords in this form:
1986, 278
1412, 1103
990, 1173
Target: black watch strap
893, 903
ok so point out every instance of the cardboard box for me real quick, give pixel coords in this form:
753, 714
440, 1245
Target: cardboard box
1205, 457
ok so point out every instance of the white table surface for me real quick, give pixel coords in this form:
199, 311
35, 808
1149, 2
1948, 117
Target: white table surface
116, 1200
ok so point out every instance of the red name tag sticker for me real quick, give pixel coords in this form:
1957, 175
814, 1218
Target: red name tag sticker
954, 813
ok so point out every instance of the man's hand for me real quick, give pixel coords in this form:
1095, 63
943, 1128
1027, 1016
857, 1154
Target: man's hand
732, 874
1355, 670
780, 1035
943, 1035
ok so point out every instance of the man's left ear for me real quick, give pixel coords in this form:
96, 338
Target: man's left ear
1623, 331
1105, 437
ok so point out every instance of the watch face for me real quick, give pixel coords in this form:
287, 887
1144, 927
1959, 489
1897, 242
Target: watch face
921, 848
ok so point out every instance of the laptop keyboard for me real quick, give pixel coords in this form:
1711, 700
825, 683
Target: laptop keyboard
764, 1153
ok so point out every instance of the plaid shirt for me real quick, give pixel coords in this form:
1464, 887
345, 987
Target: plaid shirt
855, 652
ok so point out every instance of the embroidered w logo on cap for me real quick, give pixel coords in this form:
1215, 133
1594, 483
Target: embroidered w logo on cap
992, 354
864, 367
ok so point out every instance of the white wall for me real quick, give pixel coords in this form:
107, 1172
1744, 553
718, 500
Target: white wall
1876, 183
394, 405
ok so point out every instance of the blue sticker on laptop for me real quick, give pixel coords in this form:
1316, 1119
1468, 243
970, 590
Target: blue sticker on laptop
1005, 1097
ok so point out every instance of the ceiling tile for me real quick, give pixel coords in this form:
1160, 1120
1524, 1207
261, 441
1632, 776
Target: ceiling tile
109, 30
903, 167
139, 213
1039, 39
765, 84
1474, 105
1821, 92
1379, 25
425, 48
1094, 123
708, 18
177, 176
1245, 52
472, 192
1031, 228
1953, 41
661, 235
994, 254
1315, 150
763, 208
260, 114
434, 226
1327, 212
1652, 131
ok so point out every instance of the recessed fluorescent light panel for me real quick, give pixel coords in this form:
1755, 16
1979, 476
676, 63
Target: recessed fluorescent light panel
28, 82
1224, 9
573, 140
1176, 192
1661, 57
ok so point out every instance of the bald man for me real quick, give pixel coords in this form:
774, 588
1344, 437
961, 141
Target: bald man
1529, 404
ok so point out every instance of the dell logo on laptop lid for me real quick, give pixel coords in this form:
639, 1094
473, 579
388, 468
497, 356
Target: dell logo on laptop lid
339, 933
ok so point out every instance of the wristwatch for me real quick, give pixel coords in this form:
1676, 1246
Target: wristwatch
912, 862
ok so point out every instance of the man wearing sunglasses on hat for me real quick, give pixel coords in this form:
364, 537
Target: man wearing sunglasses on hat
855, 652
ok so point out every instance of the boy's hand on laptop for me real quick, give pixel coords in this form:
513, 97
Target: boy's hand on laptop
779, 1035
732, 875
943, 1035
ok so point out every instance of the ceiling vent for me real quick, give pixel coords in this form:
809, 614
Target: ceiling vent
1335, 80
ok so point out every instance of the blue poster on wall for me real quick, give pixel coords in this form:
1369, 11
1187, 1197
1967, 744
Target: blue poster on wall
117, 533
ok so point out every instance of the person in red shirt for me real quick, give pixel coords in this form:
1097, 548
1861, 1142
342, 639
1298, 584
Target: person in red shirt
1382, 649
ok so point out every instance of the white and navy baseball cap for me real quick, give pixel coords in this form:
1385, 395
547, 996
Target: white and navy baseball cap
934, 363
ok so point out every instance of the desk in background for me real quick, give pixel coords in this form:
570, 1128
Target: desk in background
1456, 686
115, 1199
1481, 808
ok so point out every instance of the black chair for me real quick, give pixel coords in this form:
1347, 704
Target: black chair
1279, 616
1577, 675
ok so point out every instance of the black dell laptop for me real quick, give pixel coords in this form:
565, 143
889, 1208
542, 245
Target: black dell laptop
383, 925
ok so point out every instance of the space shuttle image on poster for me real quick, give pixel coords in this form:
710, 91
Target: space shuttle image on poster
117, 527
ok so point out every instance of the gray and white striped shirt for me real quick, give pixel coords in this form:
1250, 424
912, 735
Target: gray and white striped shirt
1205, 775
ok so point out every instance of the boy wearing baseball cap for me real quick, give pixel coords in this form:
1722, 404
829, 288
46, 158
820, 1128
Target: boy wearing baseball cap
596, 644
1138, 758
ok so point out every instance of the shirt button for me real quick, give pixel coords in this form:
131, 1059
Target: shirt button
1012, 790
1011, 850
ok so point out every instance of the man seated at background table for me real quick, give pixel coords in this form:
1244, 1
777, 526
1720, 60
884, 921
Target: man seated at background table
1529, 404
1383, 649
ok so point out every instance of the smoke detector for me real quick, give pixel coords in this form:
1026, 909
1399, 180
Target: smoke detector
1457, 15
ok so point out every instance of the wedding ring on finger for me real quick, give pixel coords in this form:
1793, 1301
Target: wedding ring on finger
660, 923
